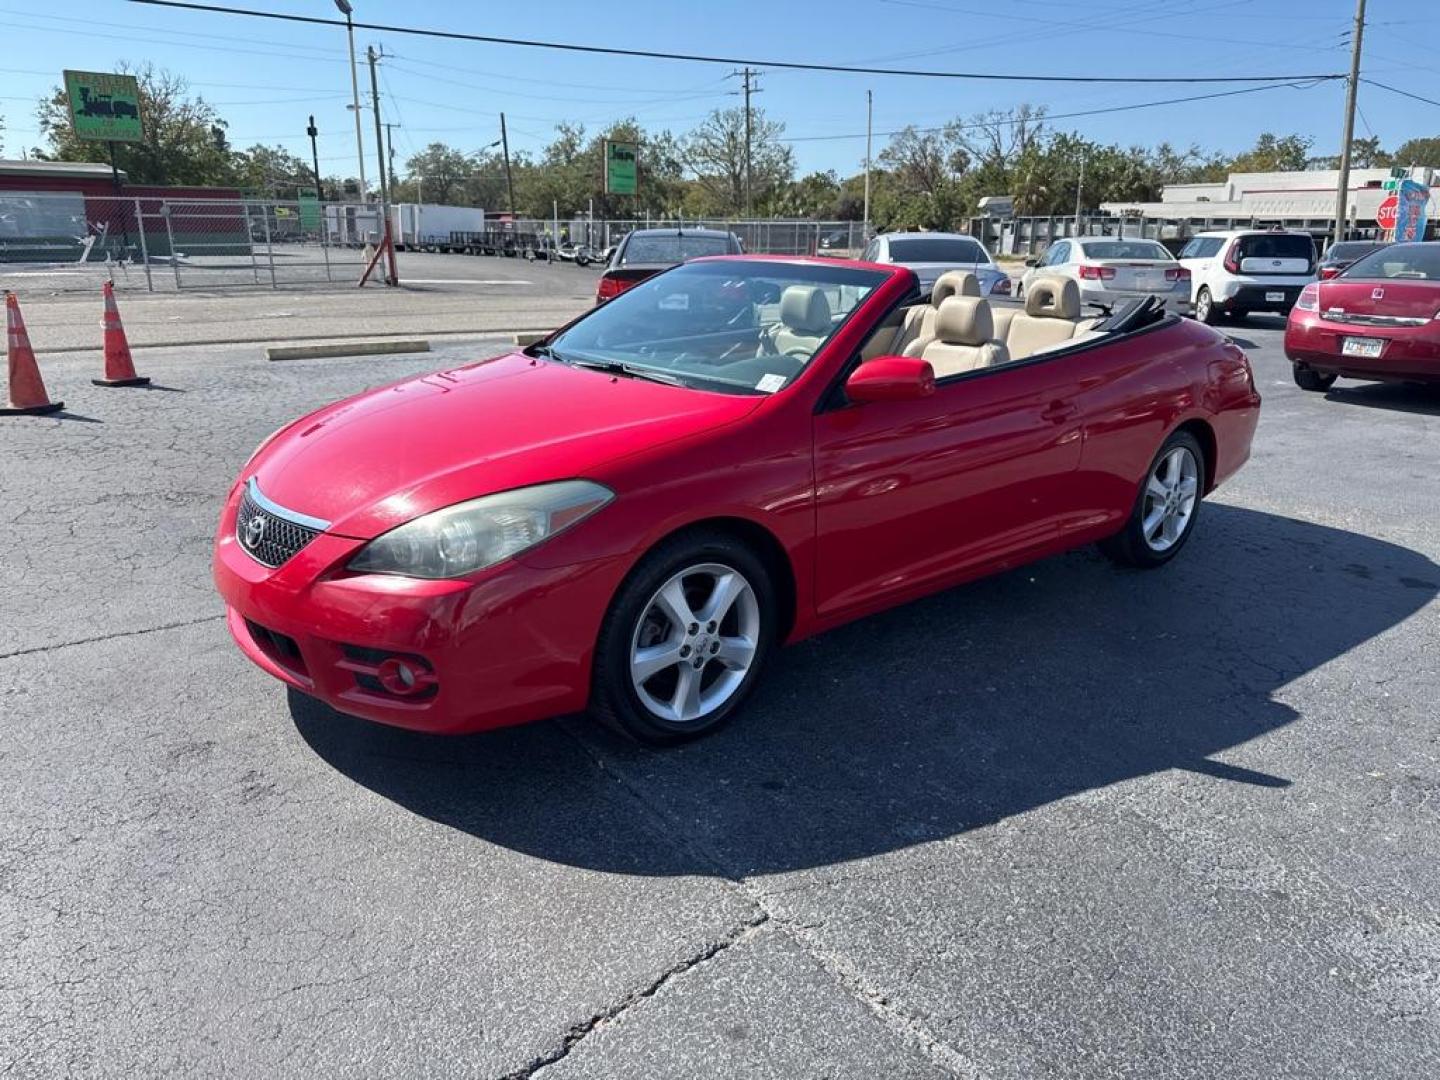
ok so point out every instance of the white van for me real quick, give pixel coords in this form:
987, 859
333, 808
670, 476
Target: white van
1235, 273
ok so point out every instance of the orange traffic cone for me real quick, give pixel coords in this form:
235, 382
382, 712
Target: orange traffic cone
119, 367
27, 390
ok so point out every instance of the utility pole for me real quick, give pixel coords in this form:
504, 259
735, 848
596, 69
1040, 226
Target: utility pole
869, 125
389, 240
1079, 187
747, 80
1342, 190
509, 179
348, 12
313, 131
390, 149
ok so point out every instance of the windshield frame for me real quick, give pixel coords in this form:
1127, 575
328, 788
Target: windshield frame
554, 347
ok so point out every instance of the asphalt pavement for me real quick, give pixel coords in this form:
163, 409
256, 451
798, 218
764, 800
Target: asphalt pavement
1070, 822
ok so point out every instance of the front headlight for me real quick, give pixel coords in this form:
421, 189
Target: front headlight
472, 535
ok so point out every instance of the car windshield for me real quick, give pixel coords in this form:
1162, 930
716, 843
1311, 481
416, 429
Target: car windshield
1417, 261
672, 248
936, 250
1125, 249
736, 326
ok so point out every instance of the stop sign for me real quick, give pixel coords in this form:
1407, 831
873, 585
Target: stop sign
1385, 216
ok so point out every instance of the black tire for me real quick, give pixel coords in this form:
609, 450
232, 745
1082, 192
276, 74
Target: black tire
1205, 309
614, 699
1130, 547
1307, 378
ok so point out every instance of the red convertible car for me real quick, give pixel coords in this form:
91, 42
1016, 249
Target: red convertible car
1379, 318
630, 516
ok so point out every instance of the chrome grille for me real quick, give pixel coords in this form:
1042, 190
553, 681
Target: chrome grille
268, 537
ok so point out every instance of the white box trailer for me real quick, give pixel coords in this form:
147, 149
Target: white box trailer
351, 224
430, 225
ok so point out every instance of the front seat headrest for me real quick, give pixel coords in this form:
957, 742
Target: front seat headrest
964, 320
954, 283
803, 308
1053, 298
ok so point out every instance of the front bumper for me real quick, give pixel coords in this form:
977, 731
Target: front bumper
506, 646
1410, 353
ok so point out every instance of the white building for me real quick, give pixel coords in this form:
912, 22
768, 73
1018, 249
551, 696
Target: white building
1298, 200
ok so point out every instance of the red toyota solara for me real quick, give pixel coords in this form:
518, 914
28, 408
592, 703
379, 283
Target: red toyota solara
633, 514
1378, 319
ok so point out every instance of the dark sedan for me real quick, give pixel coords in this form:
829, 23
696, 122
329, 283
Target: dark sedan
645, 252
1339, 256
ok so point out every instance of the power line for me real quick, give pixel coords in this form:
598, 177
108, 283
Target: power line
1305, 84
794, 65
1402, 93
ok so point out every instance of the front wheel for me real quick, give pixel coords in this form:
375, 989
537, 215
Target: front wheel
1166, 509
1307, 378
685, 639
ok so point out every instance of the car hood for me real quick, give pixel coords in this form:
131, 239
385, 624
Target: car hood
388, 455
1398, 297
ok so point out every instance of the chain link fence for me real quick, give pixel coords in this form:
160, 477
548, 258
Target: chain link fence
61, 242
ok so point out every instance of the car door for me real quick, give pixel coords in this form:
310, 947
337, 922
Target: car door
1054, 255
910, 493
1198, 256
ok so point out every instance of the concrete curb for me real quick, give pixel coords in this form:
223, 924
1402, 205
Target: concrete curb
346, 348
490, 332
522, 338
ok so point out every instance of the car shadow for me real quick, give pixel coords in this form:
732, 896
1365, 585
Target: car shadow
1398, 397
933, 719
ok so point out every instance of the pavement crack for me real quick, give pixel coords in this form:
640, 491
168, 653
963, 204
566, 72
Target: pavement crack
578, 1032
110, 637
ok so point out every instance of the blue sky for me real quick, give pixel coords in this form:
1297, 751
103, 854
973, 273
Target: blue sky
266, 77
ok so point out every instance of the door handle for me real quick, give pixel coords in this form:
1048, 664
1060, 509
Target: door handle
1057, 411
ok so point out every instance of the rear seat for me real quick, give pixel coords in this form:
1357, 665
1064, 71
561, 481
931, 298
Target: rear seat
1051, 318
918, 330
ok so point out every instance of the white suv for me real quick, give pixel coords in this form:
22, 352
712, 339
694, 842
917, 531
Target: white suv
1235, 273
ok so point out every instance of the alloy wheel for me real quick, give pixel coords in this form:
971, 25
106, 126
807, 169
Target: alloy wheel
695, 642
1170, 495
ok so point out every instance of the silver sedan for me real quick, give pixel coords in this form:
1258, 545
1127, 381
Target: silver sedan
1111, 270
931, 254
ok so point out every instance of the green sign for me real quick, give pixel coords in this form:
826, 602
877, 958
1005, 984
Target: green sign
622, 173
103, 106
309, 210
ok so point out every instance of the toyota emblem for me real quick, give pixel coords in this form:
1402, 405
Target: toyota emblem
1377, 294
254, 532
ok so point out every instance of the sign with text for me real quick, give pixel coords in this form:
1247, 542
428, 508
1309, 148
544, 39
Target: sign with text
104, 107
309, 209
622, 168
1412, 204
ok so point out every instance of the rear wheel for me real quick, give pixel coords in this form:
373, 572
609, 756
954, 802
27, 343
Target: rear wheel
685, 639
1205, 309
1307, 378
1166, 509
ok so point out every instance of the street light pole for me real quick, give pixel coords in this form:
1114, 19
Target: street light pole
1342, 188
869, 123
348, 12
313, 131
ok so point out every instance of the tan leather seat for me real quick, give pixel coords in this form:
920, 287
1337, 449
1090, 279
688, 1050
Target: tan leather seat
804, 319
919, 327
964, 338
1051, 316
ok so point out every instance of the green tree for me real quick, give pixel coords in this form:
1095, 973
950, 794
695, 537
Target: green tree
1418, 152
1275, 153
811, 196
184, 136
439, 173
271, 170
715, 152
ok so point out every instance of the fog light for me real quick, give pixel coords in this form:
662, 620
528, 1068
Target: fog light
402, 678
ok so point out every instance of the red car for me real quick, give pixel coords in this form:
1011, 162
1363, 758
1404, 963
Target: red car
1379, 318
632, 515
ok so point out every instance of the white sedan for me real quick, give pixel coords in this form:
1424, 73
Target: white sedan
1111, 270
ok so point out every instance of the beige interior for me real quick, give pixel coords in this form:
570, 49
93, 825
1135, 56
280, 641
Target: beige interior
804, 319
964, 337
1050, 320
919, 327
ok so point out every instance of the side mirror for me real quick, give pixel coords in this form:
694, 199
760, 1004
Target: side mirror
891, 378
1032, 262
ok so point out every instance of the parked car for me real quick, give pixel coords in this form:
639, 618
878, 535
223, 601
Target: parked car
1338, 256
1243, 271
632, 514
1110, 270
1379, 319
932, 254
644, 253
